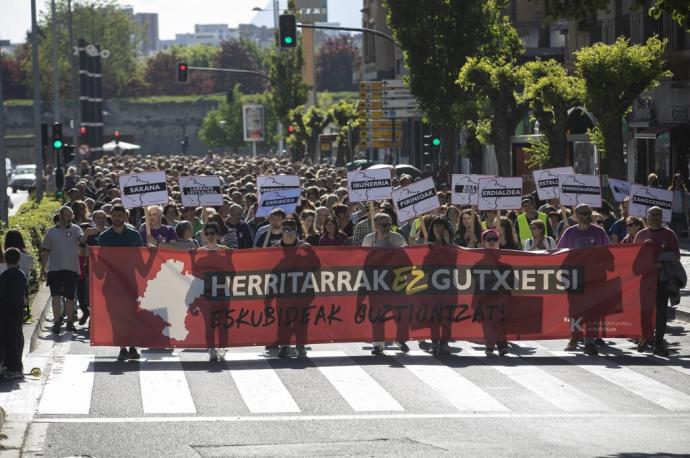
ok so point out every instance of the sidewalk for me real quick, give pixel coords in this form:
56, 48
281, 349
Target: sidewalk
682, 311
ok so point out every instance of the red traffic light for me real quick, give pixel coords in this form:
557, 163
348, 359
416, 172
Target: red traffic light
82, 131
182, 69
291, 129
117, 134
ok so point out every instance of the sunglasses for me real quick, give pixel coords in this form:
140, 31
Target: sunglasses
491, 239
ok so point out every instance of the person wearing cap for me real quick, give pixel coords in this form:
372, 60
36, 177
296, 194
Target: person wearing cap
667, 251
274, 229
529, 214
493, 331
583, 235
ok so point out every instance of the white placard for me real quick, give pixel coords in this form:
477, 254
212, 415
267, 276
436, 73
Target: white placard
643, 197
286, 200
546, 181
368, 185
465, 188
274, 183
201, 191
143, 189
498, 193
619, 188
415, 200
580, 189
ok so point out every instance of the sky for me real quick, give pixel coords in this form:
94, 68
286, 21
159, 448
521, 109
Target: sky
179, 16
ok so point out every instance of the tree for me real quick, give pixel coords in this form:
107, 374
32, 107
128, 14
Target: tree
13, 78
308, 124
347, 121
101, 22
335, 64
160, 76
614, 75
234, 54
498, 79
436, 38
550, 92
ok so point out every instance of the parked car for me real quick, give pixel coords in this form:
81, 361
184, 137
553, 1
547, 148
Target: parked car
8, 168
23, 177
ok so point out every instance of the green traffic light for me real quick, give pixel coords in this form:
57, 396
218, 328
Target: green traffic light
436, 141
57, 144
287, 40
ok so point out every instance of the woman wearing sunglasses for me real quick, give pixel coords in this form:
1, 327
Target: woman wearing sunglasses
633, 225
211, 233
494, 331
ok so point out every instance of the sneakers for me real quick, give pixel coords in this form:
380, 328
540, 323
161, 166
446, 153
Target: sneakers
572, 345
122, 356
590, 349
403, 347
133, 353
284, 351
301, 350
376, 350
84, 316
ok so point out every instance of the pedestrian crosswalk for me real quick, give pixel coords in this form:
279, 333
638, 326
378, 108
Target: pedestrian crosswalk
465, 382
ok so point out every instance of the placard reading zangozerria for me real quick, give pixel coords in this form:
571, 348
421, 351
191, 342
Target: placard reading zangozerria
143, 189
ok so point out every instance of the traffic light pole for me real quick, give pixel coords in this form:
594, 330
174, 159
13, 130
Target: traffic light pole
348, 29
3, 155
37, 103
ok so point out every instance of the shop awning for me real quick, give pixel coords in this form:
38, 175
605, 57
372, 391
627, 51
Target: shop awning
651, 133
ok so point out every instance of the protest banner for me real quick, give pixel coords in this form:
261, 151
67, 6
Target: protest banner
287, 200
465, 188
143, 189
619, 188
643, 197
580, 189
546, 181
268, 183
201, 191
369, 185
498, 193
170, 298
415, 199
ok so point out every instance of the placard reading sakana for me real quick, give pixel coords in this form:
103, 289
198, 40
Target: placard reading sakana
465, 188
580, 189
546, 181
500, 193
415, 200
368, 185
643, 197
143, 189
273, 183
201, 191
287, 200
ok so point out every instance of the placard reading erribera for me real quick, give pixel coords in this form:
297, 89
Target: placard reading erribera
415, 200
500, 193
286, 200
368, 185
643, 197
546, 181
143, 189
580, 189
201, 191
268, 183
465, 189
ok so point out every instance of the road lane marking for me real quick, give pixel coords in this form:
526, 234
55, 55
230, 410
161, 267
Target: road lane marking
259, 385
69, 385
166, 390
456, 389
355, 385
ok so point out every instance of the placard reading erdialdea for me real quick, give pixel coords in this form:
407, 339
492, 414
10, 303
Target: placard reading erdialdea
201, 191
143, 189
368, 185
415, 200
580, 189
273, 183
546, 181
465, 188
619, 188
286, 200
500, 193
643, 197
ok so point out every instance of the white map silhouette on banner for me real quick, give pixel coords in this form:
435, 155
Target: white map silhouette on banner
415, 200
465, 188
201, 191
276, 183
580, 189
500, 193
143, 189
643, 197
368, 185
546, 181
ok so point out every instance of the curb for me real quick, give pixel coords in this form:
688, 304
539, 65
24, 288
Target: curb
679, 313
32, 331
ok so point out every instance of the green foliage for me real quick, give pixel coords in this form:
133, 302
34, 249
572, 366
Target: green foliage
325, 99
614, 75
309, 123
186, 99
347, 121
336, 63
596, 136
679, 10
235, 54
538, 153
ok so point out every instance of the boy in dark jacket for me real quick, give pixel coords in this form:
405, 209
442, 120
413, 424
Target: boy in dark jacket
13, 286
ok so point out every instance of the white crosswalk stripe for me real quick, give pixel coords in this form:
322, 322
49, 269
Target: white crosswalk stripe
166, 390
68, 388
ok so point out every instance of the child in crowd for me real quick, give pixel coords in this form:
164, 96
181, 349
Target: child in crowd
13, 286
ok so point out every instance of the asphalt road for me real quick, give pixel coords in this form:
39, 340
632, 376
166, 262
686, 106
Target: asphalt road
343, 401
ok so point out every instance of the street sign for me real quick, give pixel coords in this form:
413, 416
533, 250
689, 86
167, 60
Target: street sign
370, 114
402, 113
393, 84
396, 94
399, 103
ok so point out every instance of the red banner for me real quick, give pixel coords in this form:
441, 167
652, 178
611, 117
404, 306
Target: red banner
169, 298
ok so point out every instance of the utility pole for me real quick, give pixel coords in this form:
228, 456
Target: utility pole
73, 75
37, 103
3, 155
56, 68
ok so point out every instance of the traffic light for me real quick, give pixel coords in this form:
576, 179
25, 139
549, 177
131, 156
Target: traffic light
288, 30
435, 143
427, 140
182, 69
83, 131
116, 136
58, 143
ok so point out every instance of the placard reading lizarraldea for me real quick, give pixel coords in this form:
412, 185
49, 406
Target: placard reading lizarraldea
201, 191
